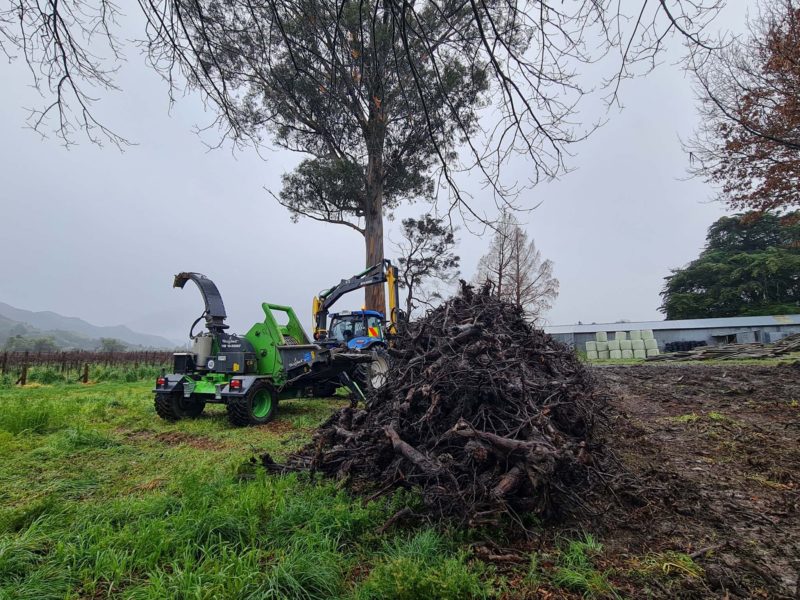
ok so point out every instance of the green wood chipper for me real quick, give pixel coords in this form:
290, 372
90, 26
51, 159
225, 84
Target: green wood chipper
248, 373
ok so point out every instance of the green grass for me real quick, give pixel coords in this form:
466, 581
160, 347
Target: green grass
572, 567
100, 498
47, 375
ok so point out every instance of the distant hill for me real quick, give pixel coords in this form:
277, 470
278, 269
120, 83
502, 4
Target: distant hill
70, 332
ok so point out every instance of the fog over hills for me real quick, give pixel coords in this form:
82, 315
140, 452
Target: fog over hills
70, 332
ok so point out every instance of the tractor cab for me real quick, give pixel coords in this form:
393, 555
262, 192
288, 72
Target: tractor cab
358, 330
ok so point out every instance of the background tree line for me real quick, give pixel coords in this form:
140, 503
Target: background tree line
750, 266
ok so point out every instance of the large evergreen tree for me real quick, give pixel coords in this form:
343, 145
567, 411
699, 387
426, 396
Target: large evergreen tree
750, 266
381, 97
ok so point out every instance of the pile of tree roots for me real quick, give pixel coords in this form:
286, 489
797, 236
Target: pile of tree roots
482, 413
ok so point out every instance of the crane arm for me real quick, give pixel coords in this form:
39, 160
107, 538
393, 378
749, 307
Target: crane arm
383, 272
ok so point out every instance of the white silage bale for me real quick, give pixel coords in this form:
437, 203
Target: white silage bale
647, 334
616, 354
627, 353
653, 352
640, 353
650, 344
591, 346
602, 346
621, 335
591, 355
637, 344
625, 345
613, 344
601, 336
635, 334
604, 355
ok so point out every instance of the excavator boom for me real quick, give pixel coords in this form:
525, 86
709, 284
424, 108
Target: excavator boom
383, 272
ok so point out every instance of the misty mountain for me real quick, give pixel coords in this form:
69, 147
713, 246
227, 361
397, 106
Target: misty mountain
70, 332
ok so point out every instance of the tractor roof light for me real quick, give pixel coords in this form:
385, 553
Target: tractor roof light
161, 381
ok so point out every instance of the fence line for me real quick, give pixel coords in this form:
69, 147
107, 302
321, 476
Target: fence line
76, 360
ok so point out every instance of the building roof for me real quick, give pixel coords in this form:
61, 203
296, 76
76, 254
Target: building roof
679, 324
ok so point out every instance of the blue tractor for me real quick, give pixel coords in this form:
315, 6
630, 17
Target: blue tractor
367, 331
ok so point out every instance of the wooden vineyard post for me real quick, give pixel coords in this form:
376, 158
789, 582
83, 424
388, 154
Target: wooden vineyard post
85, 376
23, 376
3, 364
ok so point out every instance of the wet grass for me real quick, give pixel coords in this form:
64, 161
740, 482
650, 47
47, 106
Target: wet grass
102, 499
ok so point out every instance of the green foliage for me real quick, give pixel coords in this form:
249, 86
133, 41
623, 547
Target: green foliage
425, 253
21, 343
376, 106
21, 416
574, 570
422, 566
111, 345
750, 266
47, 375
101, 499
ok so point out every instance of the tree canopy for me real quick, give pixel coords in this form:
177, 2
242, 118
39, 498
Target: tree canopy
425, 253
749, 140
386, 99
514, 267
750, 266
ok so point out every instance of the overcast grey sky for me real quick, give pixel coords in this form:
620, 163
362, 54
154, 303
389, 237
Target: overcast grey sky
96, 233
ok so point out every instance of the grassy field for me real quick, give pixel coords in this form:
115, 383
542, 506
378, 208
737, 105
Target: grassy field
102, 499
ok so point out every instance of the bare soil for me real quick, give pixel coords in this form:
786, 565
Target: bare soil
716, 451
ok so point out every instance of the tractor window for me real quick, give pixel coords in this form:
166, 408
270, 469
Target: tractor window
347, 327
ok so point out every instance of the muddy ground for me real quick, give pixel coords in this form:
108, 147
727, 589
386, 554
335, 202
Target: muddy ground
716, 450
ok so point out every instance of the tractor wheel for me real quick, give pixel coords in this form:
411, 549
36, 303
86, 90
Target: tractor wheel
372, 376
257, 407
174, 406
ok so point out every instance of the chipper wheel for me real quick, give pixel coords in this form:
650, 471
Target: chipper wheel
257, 407
174, 406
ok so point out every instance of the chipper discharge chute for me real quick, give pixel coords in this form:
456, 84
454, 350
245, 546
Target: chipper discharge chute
248, 373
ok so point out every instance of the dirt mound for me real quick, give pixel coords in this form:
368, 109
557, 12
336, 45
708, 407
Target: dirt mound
482, 412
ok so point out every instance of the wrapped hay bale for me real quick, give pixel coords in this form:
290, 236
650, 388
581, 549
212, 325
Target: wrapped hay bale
625, 345
601, 346
637, 344
627, 353
604, 355
647, 334
591, 354
591, 346
654, 352
621, 335
640, 353
650, 344
601, 336
613, 345
615, 354
635, 334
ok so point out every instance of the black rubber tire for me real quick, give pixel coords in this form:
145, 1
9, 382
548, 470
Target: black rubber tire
240, 410
173, 406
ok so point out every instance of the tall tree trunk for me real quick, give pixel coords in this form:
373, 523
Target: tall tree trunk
374, 295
